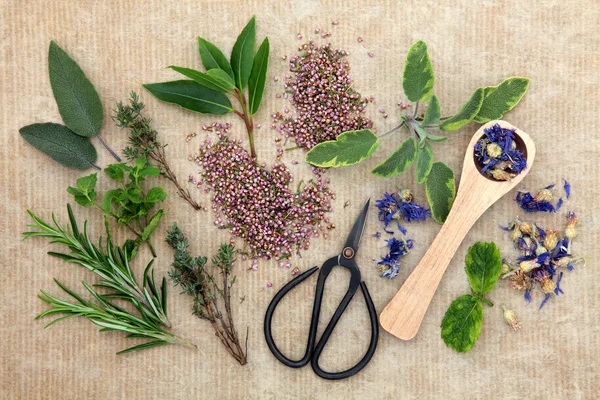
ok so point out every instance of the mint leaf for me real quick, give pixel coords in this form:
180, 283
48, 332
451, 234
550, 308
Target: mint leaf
78, 101
116, 171
398, 161
461, 325
61, 144
483, 265
191, 95
84, 193
349, 148
432, 112
424, 162
502, 98
212, 57
242, 54
258, 77
152, 224
108, 198
205, 79
440, 189
156, 194
417, 81
465, 114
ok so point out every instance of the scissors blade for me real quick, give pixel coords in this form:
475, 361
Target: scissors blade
357, 230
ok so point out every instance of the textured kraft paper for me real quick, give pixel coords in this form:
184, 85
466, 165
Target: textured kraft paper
121, 45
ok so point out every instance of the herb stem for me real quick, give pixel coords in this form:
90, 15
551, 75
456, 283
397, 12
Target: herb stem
108, 148
95, 166
416, 109
246, 116
392, 130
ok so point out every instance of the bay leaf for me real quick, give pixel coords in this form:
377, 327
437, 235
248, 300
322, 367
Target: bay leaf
212, 57
242, 54
210, 81
258, 77
192, 96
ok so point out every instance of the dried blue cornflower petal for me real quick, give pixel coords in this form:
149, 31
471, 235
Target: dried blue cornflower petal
528, 295
376, 235
558, 205
546, 298
558, 290
497, 153
567, 188
530, 203
390, 263
399, 207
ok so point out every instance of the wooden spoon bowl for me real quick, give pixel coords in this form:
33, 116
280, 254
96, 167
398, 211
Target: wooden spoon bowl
403, 315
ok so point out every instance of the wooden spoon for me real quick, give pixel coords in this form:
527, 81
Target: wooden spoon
404, 314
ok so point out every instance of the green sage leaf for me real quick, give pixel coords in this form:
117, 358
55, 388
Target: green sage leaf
212, 57
418, 73
432, 112
502, 98
398, 161
483, 265
191, 95
349, 148
440, 189
78, 101
242, 54
461, 325
61, 144
465, 114
258, 76
152, 224
424, 162
206, 80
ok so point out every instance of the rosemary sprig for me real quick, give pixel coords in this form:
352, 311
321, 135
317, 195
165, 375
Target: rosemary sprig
111, 265
110, 317
191, 274
143, 142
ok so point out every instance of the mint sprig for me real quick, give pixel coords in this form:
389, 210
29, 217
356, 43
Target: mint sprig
462, 322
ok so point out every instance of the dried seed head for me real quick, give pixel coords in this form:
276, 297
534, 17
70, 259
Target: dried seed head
516, 233
547, 284
494, 150
406, 195
501, 175
544, 195
511, 318
520, 281
526, 228
572, 221
551, 239
528, 265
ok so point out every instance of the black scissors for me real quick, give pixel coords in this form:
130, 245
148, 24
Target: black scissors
313, 351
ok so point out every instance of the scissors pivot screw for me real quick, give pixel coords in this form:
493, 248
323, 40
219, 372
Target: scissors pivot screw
348, 252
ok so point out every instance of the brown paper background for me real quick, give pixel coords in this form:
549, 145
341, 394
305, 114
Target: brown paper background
121, 45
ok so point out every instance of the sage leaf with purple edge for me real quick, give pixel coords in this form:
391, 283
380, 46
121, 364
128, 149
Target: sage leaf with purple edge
61, 144
466, 113
399, 161
349, 148
212, 57
258, 77
192, 96
211, 81
441, 190
242, 54
501, 98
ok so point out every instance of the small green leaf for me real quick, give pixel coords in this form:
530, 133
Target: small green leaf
212, 57
84, 193
116, 171
350, 148
461, 325
191, 95
156, 194
150, 170
440, 189
108, 198
78, 101
432, 112
152, 224
398, 161
217, 73
435, 138
483, 265
418, 73
502, 98
424, 162
465, 114
204, 79
61, 144
242, 54
258, 77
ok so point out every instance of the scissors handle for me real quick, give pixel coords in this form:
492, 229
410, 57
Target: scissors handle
313, 352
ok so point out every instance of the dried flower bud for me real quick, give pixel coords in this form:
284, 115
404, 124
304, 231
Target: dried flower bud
539, 250
520, 281
547, 284
572, 221
494, 150
528, 265
516, 233
544, 195
526, 228
563, 262
501, 175
551, 239
511, 318
505, 268
406, 195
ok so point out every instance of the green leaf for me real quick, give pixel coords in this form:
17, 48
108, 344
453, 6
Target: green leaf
150, 170
440, 189
84, 193
242, 54
204, 79
258, 76
432, 112
349, 148
108, 198
465, 114
418, 73
424, 162
156, 194
78, 101
152, 224
217, 73
191, 95
502, 98
399, 161
61, 144
116, 171
212, 57
461, 325
483, 265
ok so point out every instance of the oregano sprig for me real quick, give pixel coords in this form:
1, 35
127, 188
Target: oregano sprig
485, 104
462, 322
209, 92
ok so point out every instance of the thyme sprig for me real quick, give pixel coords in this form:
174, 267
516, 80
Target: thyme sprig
195, 280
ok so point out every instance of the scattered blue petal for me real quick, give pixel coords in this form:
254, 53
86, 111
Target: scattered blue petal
528, 295
558, 290
570, 266
530, 204
546, 298
559, 204
390, 263
567, 188
376, 235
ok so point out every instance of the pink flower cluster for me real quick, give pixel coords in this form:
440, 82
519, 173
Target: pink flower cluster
257, 204
321, 92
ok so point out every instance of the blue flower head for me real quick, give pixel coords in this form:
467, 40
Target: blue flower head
397, 207
390, 263
497, 153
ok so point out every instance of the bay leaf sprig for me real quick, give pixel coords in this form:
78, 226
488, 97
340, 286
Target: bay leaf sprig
462, 322
208, 92
485, 104
81, 110
212, 299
